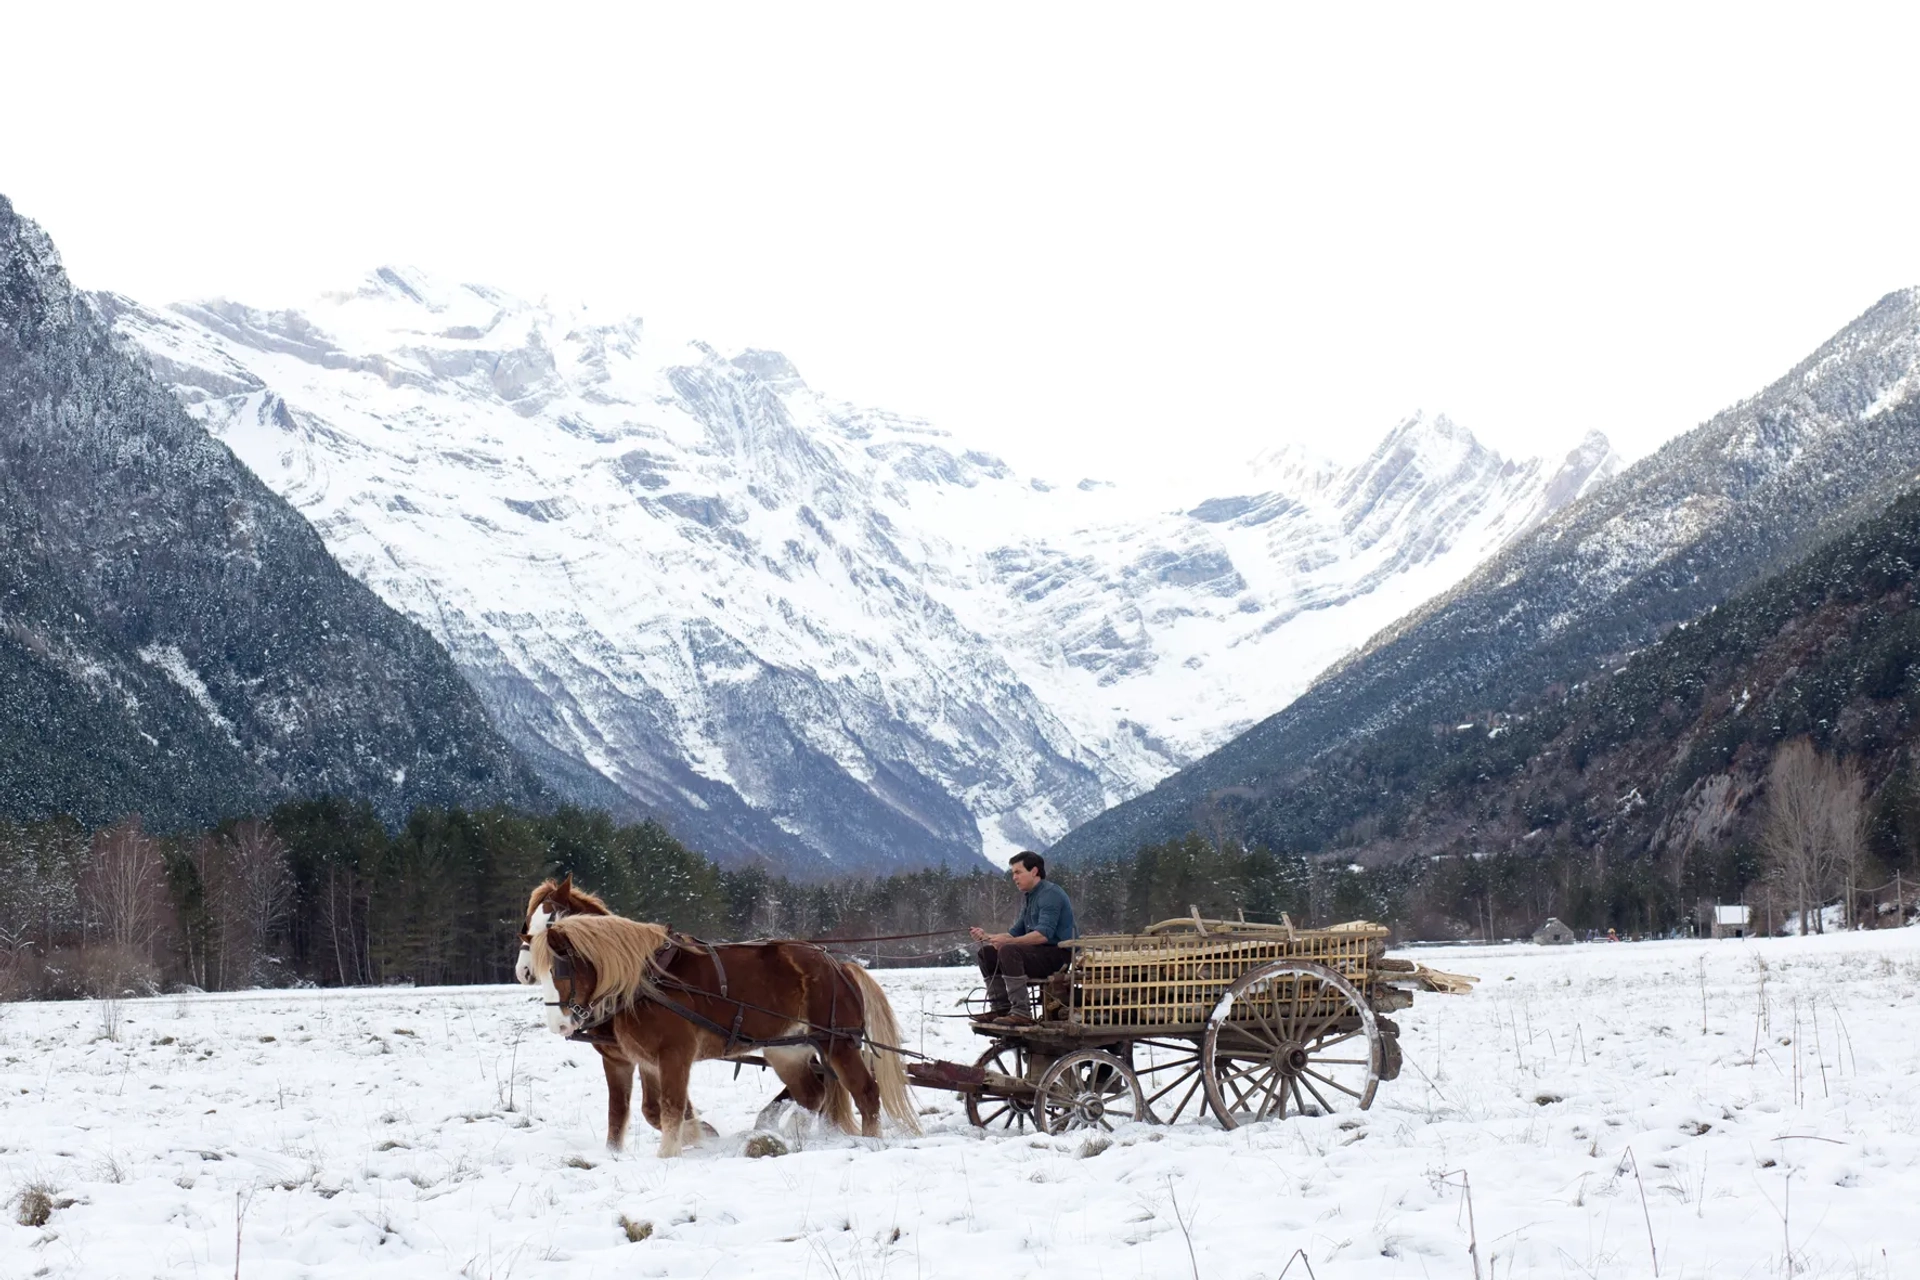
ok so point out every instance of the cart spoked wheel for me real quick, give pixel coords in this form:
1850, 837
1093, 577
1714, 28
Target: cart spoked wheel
1089, 1089
998, 1111
1169, 1073
1290, 1038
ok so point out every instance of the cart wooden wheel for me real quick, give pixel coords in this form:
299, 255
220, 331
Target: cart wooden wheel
999, 1111
1291, 1037
1169, 1073
1089, 1089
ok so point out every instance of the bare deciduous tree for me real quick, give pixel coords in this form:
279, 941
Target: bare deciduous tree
259, 889
124, 886
1815, 828
245, 889
123, 890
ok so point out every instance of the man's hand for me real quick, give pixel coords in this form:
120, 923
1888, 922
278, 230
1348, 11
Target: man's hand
1006, 939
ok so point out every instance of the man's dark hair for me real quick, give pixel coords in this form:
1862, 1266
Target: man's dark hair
1031, 861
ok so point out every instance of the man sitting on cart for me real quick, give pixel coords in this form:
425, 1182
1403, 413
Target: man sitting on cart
1031, 949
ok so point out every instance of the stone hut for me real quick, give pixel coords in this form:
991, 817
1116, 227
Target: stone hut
1553, 933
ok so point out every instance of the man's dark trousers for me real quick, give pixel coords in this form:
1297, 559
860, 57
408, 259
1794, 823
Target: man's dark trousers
1008, 968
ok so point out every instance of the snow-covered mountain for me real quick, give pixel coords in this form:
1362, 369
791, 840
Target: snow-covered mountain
1709, 515
175, 639
687, 584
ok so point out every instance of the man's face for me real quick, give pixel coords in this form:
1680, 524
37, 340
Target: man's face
1023, 879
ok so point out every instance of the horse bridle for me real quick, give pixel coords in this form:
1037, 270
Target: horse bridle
562, 971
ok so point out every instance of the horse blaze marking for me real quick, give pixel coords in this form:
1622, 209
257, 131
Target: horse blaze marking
558, 1019
537, 923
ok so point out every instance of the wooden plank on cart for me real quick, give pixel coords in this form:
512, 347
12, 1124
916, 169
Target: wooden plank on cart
952, 1076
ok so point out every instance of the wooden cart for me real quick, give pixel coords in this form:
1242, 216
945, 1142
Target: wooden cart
1252, 1021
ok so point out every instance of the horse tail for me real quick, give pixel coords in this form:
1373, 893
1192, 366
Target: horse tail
836, 1100
889, 1070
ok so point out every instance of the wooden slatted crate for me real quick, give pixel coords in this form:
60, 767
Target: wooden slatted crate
1173, 975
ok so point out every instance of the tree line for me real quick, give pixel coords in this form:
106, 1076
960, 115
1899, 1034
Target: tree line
321, 892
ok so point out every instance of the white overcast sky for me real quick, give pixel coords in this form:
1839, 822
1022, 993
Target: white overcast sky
1099, 239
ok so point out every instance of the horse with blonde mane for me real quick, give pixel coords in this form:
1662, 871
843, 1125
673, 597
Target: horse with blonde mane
653, 1003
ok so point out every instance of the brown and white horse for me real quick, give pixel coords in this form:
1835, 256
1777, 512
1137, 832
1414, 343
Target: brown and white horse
622, 979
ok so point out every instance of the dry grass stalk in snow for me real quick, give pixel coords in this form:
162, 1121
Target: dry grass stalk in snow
33, 1205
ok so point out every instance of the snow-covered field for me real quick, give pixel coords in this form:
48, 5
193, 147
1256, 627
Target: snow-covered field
1743, 1108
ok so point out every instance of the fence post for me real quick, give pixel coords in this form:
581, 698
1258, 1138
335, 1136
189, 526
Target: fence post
1899, 903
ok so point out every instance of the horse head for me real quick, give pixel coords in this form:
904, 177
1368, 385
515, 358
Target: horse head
591, 966
551, 900
568, 978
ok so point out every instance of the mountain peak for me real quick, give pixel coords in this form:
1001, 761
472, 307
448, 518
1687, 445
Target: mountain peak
1421, 452
771, 367
395, 290
1419, 428
405, 282
1594, 450
1587, 465
33, 284
1293, 468
419, 287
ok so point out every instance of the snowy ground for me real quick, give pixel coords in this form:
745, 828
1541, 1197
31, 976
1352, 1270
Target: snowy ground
443, 1133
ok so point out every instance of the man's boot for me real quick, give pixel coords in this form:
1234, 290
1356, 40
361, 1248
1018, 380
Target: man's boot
1020, 1005
998, 1005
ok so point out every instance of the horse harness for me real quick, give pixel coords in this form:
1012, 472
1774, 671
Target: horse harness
592, 1030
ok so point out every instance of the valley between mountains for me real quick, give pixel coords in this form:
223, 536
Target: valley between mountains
424, 544
800, 632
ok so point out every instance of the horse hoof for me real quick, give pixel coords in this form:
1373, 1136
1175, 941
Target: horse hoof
774, 1115
708, 1131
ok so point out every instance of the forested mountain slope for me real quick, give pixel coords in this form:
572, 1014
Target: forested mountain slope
1667, 754
1711, 513
174, 638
